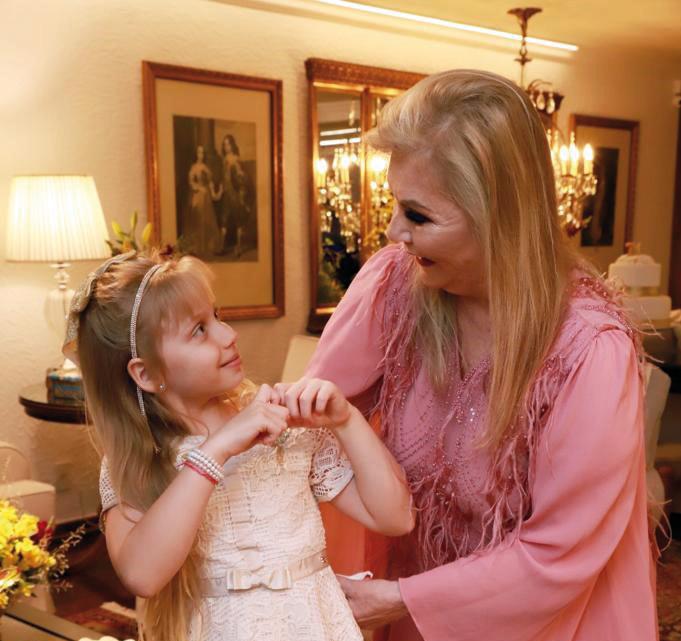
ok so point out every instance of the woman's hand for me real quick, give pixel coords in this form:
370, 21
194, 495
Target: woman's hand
313, 402
374, 603
262, 421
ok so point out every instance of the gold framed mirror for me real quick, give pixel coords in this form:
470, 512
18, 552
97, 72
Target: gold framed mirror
350, 201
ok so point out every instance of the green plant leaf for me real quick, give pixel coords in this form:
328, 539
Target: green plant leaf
146, 234
133, 223
117, 230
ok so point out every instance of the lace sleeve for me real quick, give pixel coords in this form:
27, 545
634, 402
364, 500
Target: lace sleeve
106, 491
330, 471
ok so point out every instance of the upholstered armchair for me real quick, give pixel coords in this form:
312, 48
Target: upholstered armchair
17, 485
657, 385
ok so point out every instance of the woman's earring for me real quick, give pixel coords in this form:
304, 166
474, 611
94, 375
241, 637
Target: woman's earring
162, 387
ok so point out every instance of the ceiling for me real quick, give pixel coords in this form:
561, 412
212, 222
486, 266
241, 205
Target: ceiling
632, 24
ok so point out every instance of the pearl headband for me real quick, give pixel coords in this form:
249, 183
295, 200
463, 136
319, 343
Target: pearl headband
133, 325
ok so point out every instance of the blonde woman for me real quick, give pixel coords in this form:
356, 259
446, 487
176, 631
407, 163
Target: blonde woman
210, 499
507, 382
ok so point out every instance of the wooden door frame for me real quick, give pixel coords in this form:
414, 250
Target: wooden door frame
675, 259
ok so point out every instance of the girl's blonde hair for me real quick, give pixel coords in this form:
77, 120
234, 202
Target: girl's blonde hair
141, 451
489, 150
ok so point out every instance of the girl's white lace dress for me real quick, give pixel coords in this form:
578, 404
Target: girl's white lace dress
262, 542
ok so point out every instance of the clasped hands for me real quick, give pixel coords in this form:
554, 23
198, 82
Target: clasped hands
309, 402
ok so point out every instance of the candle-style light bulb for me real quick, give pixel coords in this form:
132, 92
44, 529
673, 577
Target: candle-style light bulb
588, 159
378, 164
345, 168
564, 155
322, 168
574, 156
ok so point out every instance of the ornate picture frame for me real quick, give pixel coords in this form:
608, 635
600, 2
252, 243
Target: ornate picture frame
214, 179
615, 144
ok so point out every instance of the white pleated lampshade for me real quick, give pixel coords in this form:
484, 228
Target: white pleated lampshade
55, 219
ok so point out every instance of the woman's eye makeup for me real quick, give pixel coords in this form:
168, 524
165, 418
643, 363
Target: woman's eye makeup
415, 217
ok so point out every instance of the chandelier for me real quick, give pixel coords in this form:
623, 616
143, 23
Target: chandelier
575, 181
335, 196
572, 167
339, 196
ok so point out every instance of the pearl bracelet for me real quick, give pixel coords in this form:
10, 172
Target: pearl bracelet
204, 459
202, 469
205, 462
198, 470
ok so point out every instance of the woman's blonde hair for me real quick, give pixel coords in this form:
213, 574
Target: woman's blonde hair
489, 150
141, 451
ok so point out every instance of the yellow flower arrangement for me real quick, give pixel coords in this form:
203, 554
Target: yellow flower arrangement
25, 559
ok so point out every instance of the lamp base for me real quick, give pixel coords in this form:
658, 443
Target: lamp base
58, 301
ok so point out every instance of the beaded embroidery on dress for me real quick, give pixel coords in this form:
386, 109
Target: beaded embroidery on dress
264, 515
468, 501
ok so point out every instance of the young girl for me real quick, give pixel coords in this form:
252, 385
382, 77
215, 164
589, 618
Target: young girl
209, 490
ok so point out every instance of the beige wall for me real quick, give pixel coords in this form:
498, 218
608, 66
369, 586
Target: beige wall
71, 102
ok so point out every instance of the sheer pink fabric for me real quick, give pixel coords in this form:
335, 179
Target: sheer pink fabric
548, 539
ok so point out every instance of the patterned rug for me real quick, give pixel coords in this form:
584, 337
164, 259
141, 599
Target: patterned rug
669, 593
109, 619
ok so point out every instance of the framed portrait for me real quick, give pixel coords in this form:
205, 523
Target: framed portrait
214, 179
611, 209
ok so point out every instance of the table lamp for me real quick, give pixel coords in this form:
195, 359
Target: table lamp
56, 219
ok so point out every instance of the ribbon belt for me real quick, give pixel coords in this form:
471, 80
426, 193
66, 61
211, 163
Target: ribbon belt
278, 578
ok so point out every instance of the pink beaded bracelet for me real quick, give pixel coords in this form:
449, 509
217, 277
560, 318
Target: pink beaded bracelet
205, 475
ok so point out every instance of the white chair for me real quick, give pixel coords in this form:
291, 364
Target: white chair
17, 485
657, 385
300, 351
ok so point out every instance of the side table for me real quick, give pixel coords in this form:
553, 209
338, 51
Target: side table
34, 400
22, 622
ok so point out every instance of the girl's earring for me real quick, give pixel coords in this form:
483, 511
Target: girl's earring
162, 387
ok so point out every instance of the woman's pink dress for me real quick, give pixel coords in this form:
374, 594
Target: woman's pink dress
549, 540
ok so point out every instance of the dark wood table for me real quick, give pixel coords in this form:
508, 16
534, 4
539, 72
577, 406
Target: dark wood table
23, 622
34, 400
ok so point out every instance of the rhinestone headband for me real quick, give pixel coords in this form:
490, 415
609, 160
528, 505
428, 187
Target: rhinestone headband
133, 325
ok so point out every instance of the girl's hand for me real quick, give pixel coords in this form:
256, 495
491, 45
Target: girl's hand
313, 402
262, 421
